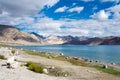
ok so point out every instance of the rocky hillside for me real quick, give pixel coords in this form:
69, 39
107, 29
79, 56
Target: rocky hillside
52, 39
12, 35
110, 40
82, 40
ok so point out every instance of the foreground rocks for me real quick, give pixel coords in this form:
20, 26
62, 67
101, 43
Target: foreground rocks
21, 73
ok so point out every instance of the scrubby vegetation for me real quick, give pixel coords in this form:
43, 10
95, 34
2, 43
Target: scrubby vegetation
77, 62
2, 57
34, 67
13, 51
107, 70
58, 72
2, 44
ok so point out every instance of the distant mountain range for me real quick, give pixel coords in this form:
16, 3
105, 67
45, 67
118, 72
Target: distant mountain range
13, 36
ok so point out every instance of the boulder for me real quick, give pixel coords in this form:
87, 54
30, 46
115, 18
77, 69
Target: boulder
45, 71
105, 66
61, 54
11, 63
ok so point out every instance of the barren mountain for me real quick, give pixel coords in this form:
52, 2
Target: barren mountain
52, 39
12, 35
110, 40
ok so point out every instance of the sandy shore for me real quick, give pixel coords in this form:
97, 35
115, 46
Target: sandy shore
77, 72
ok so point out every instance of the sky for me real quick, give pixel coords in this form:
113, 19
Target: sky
92, 18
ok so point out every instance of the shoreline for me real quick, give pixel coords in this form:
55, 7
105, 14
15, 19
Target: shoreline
91, 61
81, 58
110, 59
98, 62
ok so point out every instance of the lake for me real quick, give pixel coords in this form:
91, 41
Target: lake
102, 53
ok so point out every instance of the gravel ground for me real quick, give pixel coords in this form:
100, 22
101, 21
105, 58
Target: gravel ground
21, 73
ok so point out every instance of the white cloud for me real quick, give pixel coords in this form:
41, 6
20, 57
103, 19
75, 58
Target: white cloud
101, 15
51, 2
61, 9
87, 0
4, 13
18, 11
116, 15
13, 13
110, 1
46, 26
115, 10
76, 9
24, 7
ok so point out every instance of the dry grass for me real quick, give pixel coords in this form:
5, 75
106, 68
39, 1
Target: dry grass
2, 57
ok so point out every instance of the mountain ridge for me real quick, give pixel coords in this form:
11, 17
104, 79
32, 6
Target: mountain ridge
13, 35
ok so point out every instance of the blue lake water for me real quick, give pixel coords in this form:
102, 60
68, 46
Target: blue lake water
102, 53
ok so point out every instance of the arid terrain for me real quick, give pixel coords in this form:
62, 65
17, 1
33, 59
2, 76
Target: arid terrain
77, 72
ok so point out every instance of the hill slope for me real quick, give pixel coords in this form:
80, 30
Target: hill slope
12, 35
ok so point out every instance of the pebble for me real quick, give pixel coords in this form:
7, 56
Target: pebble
52, 67
75, 58
45, 71
105, 66
113, 63
66, 75
61, 54
67, 57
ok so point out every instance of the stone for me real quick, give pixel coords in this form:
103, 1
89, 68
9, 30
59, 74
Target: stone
105, 66
17, 53
45, 71
66, 75
66, 57
90, 61
113, 63
96, 61
61, 54
14, 65
11, 60
76, 58
86, 59
52, 67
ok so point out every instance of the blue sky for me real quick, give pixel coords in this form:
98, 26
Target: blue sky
92, 18
90, 7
